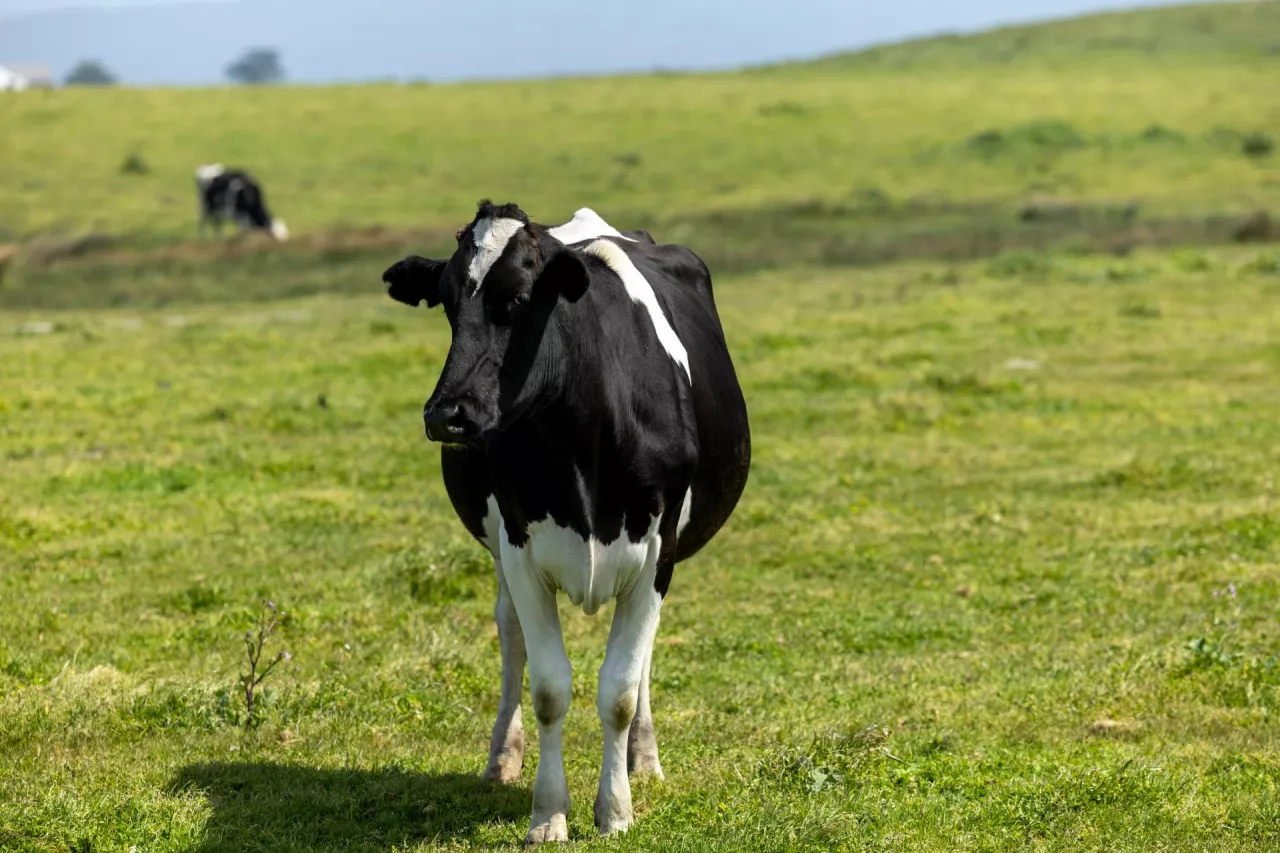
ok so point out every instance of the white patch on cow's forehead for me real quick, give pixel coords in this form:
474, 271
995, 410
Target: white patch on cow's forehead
640, 291
205, 174
491, 236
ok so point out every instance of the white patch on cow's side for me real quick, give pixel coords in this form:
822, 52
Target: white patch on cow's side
492, 521
686, 509
279, 230
205, 174
491, 236
641, 292
585, 225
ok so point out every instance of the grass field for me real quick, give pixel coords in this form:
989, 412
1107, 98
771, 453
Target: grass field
987, 516
1007, 573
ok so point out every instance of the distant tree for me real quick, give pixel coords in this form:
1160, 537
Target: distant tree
257, 66
90, 72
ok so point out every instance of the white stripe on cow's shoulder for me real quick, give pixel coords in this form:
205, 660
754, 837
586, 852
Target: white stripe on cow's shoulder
491, 236
640, 291
586, 224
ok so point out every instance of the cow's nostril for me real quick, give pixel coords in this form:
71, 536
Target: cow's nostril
446, 423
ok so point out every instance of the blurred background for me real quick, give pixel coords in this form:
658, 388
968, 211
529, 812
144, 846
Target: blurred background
1000, 280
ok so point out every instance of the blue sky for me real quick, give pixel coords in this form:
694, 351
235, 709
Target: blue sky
189, 42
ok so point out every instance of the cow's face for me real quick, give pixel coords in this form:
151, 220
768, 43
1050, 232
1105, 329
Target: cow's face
500, 291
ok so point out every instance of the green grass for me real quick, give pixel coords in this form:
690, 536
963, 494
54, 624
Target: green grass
675, 150
993, 507
1005, 577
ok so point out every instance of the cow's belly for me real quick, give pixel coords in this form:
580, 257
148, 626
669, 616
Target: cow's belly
588, 571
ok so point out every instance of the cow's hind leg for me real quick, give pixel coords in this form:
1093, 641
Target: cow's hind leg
635, 621
642, 742
506, 747
551, 688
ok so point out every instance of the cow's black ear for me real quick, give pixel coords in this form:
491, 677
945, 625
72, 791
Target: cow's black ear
567, 274
414, 280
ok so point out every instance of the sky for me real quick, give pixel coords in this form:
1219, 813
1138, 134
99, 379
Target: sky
189, 42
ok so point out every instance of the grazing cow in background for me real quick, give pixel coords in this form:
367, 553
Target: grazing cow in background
231, 195
594, 435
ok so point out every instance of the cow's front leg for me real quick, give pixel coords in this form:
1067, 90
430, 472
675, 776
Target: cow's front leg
551, 688
642, 741
506, 747
635, 621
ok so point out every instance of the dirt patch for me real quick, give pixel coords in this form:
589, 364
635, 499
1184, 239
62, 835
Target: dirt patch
49, 249
333, 242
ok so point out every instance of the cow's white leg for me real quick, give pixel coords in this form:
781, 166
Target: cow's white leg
506, 747
642, 742
635, 621
550, 686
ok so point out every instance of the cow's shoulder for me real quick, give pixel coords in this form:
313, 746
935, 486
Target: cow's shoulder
675, 272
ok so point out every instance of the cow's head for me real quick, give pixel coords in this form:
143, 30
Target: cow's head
500, 291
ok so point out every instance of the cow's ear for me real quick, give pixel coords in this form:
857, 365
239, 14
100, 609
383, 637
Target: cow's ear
414, 280
566, 273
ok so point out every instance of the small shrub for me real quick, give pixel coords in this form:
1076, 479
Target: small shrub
628, 159
1266, 263
1140, 311
1121, 273
134, 164
1257, 144
1020, 264
1035, 137
1158, 133
254, 643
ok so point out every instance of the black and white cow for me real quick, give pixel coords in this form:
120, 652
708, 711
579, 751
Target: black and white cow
594, 435
230, 195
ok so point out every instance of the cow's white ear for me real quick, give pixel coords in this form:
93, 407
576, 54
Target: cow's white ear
567, 274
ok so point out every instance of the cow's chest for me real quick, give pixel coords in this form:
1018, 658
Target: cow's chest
588, 571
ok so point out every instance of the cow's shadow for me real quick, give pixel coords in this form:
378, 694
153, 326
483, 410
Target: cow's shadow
284, 807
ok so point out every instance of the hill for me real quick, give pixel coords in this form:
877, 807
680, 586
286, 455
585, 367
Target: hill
829, 161
1178, 34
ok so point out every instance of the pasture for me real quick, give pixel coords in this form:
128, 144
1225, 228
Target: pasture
1006, 575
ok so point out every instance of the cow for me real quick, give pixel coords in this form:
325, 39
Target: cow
593, 435
231, 195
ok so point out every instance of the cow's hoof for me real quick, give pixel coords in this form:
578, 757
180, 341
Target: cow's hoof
646, 765
554, 829
613, 827
612, 819
505, 770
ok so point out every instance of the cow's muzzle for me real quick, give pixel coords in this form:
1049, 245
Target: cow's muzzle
448, 424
